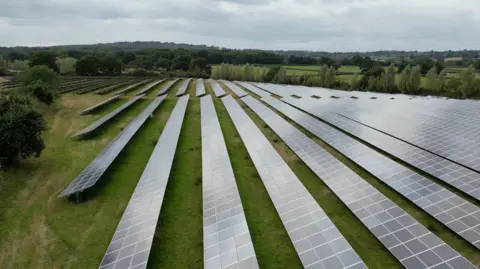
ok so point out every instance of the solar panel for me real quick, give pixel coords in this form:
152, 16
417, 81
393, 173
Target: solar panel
318, 242
219, 91
131, 87
97, 106
167, 87
253, 89
132, 241
226, 238
149, 87
439, 202
453, 138
183, 87
200, 87
237, 90
92, 173
451, 173
409, 241
107, 117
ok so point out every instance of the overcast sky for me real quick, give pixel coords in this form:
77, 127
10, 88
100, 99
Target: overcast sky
322, 25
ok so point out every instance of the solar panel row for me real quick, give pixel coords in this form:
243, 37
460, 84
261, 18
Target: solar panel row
226, 237
453, 211
132, 241
107, 117
200, 87
131, 87
149, 87
217, 89
237, 90
183, 87
409, 241
92, 173
97, 106
318, 242
166, 87
253, 89
456, 175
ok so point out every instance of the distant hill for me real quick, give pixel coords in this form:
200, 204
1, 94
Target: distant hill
139, 45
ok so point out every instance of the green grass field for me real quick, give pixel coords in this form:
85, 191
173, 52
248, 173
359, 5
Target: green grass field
39, 230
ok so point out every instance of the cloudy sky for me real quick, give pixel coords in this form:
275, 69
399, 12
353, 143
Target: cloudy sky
324, 25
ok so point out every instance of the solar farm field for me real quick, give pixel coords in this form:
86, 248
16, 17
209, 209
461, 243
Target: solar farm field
193, 173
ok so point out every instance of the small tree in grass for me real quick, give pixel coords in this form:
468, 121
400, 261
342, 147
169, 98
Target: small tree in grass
441, 80
432, 84
467, 79
21, 129
41, 82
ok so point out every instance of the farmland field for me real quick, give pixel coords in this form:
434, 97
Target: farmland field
39, 230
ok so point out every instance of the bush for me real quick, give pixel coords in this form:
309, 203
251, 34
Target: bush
42, 92
41, 82
21, 128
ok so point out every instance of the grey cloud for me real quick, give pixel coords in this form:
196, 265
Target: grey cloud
343, 25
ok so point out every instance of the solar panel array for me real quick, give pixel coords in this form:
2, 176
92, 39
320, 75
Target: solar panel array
92, 173
166, 87
149, 87
200, 87
409, 241
253, 89
217, 89
107, 117
237, 90
97, 106
132, 241
131, 87
451, 173
318, 242
454, 137
453, 211
226, 238
183, 87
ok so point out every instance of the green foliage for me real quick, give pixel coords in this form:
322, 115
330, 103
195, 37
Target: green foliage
354, 83
280, 76
476, 64
200, 67
141, 72
467, 83
432, 83
404, 79
181, 62
3, 63
441, 80
389, 79
67, 65
93, 66
41, 82
18, 65
39, 75
45, 58
163, 64
322, 73
330, 77
415, 80
21, 128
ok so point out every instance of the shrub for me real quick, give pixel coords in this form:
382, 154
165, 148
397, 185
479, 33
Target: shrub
21, 128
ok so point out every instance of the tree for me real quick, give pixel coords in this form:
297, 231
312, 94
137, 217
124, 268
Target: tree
477, 65
330, 77
404, 79
354, 83
21, 129
432, 84
46, 58
163, 63
41, 82
441, 80
467, 79
280, 76
128, 57
322, 73
415, 80
3, 63
181, 62
110, 66
88, 66
67, 65
389, 80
